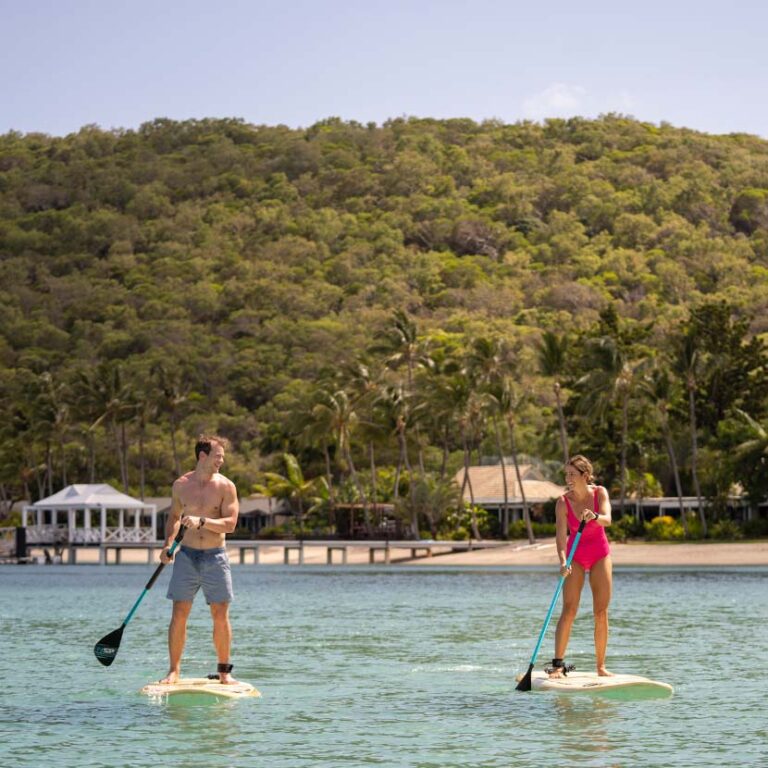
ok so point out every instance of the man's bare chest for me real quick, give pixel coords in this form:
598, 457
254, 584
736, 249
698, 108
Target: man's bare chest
206, 500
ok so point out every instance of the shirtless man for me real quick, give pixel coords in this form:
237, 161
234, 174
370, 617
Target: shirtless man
205, 503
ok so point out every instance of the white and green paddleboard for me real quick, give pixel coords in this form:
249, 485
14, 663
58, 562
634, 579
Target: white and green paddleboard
615, 686
199, 690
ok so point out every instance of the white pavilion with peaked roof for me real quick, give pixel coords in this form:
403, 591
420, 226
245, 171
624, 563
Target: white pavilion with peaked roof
77, 514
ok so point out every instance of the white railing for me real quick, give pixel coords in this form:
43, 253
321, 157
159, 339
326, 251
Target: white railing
60, 534
86, 536
129, 535
47, 534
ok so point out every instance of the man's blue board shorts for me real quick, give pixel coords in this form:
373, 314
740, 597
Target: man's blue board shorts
206, 568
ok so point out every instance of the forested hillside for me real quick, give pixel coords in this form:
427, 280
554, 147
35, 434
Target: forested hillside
403, 297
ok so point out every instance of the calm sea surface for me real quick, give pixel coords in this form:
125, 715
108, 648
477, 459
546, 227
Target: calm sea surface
388, 666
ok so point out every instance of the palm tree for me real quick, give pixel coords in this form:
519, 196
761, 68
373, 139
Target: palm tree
144, 409
105, 394
611, 381
433, 497
754, 452
486, 363
335, 410
313, 430
397, 405
687, 365
470, 419
510, 404
660, 389
552, 351
293, 487
400, 345
51, 422
444, 390
175, 396
366, 384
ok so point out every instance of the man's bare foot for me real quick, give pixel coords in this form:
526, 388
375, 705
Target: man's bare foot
170, 679
226, 678
603, 672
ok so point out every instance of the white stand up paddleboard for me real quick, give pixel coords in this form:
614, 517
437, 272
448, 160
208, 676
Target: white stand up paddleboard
200, 686
616, 686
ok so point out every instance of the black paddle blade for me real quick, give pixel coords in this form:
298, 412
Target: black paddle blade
525, 680
106, 648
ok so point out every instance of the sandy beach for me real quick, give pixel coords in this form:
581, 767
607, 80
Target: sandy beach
520, 553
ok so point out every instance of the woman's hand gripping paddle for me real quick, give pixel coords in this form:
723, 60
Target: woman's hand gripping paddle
106, 649
525, 681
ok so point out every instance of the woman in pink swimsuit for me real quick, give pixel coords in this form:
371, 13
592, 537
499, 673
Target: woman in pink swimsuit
583, 500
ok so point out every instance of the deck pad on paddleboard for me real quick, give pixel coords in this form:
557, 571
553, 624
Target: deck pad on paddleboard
201, 686
617, 686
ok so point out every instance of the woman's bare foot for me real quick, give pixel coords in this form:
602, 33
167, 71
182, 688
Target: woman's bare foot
226, 678
170, 679
554, 673
603, 672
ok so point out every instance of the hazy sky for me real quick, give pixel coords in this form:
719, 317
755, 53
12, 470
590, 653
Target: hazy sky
67, 63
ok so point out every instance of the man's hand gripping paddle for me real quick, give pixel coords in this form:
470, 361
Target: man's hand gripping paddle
525, 681
106, 649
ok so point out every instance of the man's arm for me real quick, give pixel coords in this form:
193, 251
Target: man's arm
171, 525
230, 509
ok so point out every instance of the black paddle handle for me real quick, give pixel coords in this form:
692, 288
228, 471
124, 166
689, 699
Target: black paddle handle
176, 541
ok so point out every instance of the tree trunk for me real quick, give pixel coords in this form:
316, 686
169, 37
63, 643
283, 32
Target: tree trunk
444, 462
91, 457
360, 491
468, 483
122, 449
624, 434
301, 531
374, 490
142, 459
695, 458
398, 470
49, 467
63, 462
526, 512
176, 462
329, 480
411, 481
561, 419
675, 471
505, 508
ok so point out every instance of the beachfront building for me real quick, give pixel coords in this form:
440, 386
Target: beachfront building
85, 515
485, 488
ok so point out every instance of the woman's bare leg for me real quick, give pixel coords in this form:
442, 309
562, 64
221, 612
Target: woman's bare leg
601, 583
571, 596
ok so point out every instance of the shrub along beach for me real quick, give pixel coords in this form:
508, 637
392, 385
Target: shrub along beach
364, 310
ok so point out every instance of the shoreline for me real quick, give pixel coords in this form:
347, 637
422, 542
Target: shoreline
516, 553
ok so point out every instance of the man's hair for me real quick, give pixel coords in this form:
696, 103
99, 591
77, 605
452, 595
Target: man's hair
205, 444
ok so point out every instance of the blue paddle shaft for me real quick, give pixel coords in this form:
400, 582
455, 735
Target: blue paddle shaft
557, 592
176, 541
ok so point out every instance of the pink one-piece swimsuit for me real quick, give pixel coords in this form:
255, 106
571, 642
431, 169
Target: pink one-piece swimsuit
593, 544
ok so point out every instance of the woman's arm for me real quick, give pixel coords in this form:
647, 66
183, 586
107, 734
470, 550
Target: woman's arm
603, 507
561, 532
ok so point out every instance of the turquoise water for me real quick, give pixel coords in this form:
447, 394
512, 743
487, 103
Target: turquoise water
388, 667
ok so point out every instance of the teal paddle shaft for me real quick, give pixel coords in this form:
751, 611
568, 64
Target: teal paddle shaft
106, 649
176, 542
525, 682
